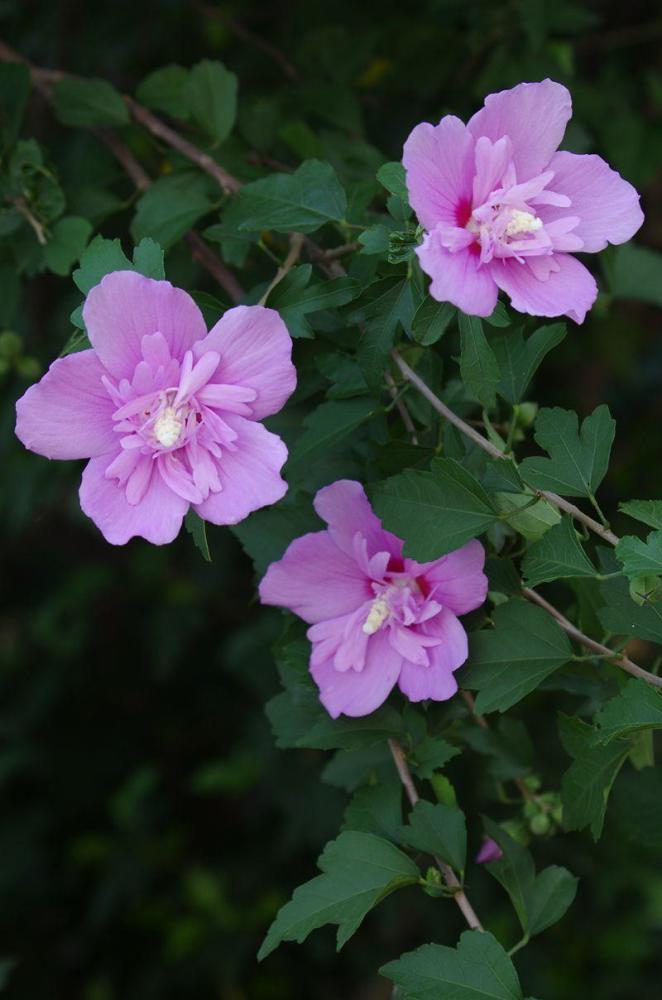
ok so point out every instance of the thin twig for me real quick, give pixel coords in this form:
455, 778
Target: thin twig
244, 33
449, 876
296, 243
622, 661
491, 449
205, 256
125, 157
342, 250
401, 407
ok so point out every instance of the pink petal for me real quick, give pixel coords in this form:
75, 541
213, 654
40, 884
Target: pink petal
250, 475
158, 516
491, 162
439, 160
126, 306
457, 277
436, 681
570, 290
256, 352
347, 511
607, 206
317, 581
533, 115
357, 693
457, 579
68, 414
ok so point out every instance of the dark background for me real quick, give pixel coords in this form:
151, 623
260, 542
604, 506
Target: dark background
148, 827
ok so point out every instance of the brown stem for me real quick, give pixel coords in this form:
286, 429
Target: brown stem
205, 256
491, 449
125, 158
584, 640
449, 876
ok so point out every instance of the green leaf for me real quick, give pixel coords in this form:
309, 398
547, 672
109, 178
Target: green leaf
438, 830
212, 96
478, 969
430, 755
431, 321
586, 784
578, 459
539, 900
532, 520
14, 93
376, 809
499, 317
375, 240
103, 256
89, 103
396, 306
392, 176
623, 617
265, 535
294, 301
557, 556
68, 240
302, 201
519, 359
512, 659
196, 528
641, 558
435, 512
637, 708
635, 272
359, 870
647, 511
325, 428
479, 367
166, 89
637, 807
168, 209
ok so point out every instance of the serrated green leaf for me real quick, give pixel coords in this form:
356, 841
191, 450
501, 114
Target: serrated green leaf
641, 558
98, 259
478, 364
578, 459
539, 900
647, 511
478, 969
148, 259
166, 89
359, 870
89, 103
168, 209
519, 359
324, 428
375, 240
438, 830
435, 512
295, 299
196, 528
301, 201
376, 809
212, 97
512, 659
431, 754
265, 535
623, 617
638, 707
558, 555
392, 176
66, 244
431, 321
586, 784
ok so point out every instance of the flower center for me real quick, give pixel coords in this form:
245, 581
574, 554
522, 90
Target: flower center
522, 222
379, 612
168, 426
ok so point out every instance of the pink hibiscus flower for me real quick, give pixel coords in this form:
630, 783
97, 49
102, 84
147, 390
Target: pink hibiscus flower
166, 412
376, 618
504, 210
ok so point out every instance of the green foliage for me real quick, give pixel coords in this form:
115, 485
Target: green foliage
478, 969
519, 359
438, 830
359, 870
638, 707
647, 511
478, 365
558, 555
539, 900
578, 459
588, 781
641, 558
435, 512
170, 207
510, 660
301, 201
212, 98
89, 103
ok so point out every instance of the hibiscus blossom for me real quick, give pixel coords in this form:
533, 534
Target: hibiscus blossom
504, 210
376, 618
166, 412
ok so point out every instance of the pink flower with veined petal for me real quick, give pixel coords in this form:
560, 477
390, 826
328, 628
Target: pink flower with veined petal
376, 618
504, 210
166, 412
